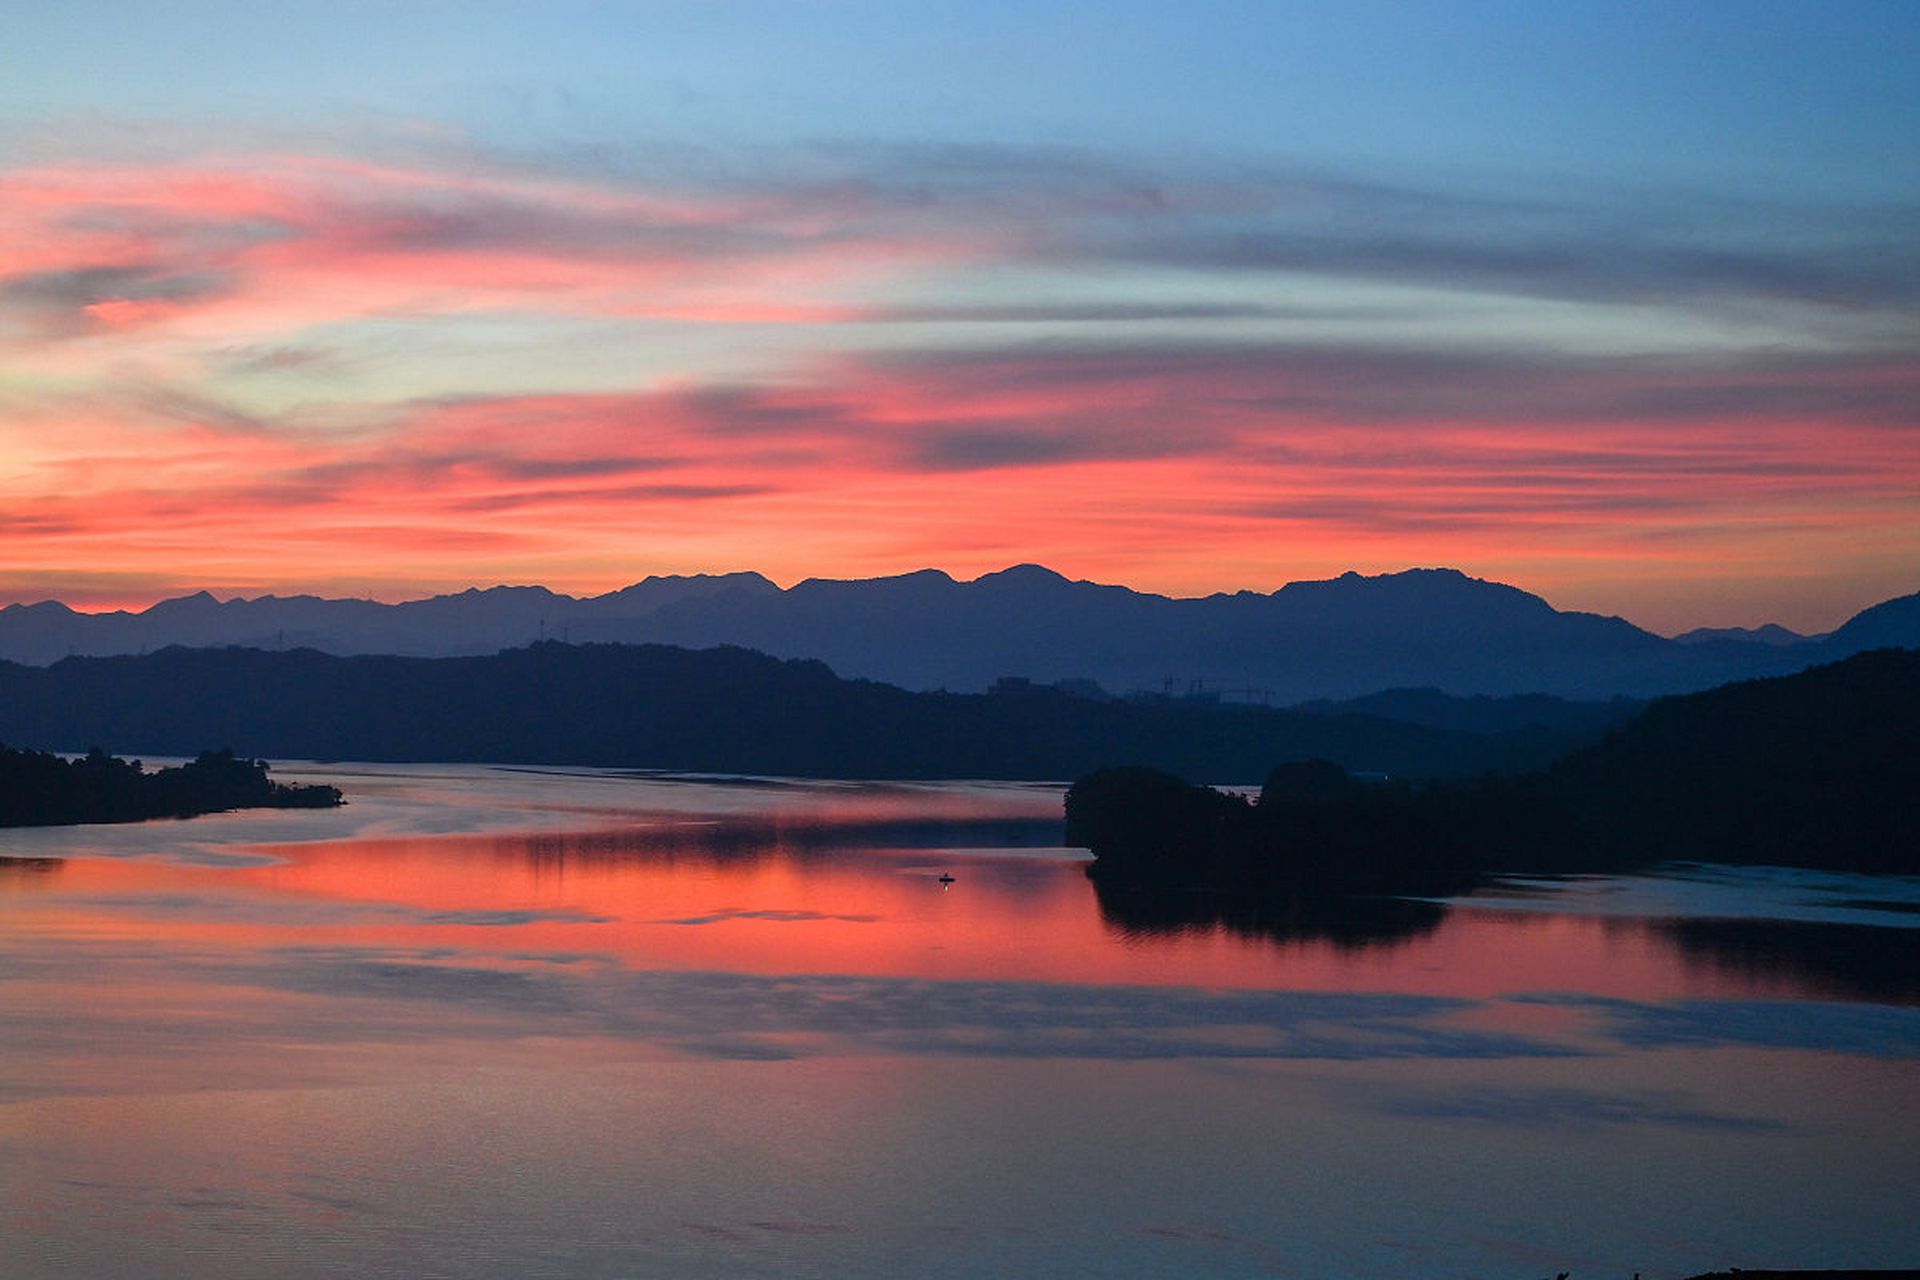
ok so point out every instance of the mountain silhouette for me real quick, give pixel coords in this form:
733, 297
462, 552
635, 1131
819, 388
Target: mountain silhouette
1818, 769
1770, 633
1891, 624
722, 710
1340, 638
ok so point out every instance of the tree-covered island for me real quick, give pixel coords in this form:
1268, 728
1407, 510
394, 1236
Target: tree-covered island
39, 788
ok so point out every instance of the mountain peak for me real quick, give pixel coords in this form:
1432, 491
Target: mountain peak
742, 578
1768, 633
1021, 575
194, 603
1402, 582
1435, 600
502, 590
1891, 623
917, 577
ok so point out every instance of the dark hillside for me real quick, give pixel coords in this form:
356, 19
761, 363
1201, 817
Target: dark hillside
654, 706
1819, 769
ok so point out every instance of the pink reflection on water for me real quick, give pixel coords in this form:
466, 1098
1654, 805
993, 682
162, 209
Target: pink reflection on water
831, 890
556, 1042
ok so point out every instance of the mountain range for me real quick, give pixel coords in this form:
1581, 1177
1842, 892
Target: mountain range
1338, 638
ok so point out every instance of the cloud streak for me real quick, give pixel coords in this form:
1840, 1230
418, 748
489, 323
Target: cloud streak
448, 366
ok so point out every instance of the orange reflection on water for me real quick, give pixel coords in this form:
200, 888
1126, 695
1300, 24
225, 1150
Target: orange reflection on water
830, 896
721, 1032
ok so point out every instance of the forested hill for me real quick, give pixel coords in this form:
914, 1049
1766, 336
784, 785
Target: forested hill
653, 706
1819, 769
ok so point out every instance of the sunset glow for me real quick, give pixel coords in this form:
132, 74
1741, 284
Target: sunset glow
428, 345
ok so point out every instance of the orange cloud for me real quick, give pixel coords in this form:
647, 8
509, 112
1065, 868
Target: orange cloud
1187, 481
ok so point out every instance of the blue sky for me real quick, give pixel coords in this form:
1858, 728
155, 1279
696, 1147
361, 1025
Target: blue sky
1783, 95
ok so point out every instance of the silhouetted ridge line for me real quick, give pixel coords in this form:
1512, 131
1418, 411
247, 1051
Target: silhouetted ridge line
1819, 769
726, 710
1344, 637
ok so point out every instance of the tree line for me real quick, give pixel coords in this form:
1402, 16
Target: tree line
39, 788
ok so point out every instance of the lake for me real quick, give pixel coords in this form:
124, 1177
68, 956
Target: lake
517, 1023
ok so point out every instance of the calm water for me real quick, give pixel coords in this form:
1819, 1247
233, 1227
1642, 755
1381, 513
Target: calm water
489, 1023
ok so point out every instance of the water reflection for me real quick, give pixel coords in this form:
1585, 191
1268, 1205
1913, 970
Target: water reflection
1841, 961
521, 1025
1348, 924
765, 876
669, 838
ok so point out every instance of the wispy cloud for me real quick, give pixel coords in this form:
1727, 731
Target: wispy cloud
451, 363
62, 303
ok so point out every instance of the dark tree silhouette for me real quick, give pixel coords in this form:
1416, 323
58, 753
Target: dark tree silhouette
38, 788
1819, 769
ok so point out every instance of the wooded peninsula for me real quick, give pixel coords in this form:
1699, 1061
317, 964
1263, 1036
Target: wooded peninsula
39, 788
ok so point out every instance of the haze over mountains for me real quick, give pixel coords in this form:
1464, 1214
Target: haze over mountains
1340, 638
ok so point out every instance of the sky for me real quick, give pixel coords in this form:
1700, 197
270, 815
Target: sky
1616, 302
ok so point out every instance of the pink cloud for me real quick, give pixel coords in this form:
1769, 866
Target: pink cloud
1189, 482
1184, 466
296, 241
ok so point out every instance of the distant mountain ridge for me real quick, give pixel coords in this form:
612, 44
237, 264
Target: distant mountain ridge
1339, 638
1770, 633
720, 710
